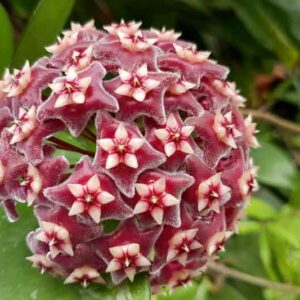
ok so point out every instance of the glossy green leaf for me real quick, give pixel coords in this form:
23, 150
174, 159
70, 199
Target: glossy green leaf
19, 281
6, 38
45, 25
276, 167
80, 141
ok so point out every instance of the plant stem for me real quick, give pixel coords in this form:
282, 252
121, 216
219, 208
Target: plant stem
66, 146
88, 137
229, 272
88, 131
272, 119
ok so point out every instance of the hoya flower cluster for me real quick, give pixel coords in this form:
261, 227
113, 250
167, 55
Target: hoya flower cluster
171, 165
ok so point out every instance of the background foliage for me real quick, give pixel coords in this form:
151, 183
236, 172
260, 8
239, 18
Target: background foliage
260, 41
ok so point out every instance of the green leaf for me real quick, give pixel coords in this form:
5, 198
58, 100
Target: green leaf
6, 38
45, 24
72, 157
228, 292
247, 227
266, 26
242, 253
18, 280
284, 238
80, 141
295, 196
266, 255
276, 167
191, 292
261, 210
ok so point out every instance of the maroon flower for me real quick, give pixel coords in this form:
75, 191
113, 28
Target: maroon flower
171, 174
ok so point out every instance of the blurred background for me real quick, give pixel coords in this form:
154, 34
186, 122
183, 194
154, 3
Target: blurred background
260, 41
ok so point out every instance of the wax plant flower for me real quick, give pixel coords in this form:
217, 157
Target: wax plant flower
171, 166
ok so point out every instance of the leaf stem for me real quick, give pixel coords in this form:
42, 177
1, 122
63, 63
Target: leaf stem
229, 272
272, 119
66, 146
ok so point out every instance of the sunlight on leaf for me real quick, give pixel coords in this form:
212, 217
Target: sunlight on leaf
6, 38
44, 26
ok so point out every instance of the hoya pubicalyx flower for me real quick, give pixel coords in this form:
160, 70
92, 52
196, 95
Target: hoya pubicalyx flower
165, 170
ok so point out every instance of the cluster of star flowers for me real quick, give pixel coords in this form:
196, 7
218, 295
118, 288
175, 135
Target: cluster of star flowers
171, 167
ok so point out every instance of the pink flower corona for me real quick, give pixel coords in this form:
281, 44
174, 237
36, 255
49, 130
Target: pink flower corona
165, 155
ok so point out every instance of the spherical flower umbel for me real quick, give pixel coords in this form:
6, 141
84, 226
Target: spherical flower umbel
165, 155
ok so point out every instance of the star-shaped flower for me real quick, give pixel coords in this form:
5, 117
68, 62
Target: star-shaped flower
128, 258
70, 89
123, 153
67, 40
79, 60
78, 232
154, 198
121, 149
158, 196
181, 87
91, 194
85, 275
25, 182
175, 136
233, 168
173, 139
251, 132
212, 232
57, 238
225, 129
216, 242
191, 54
76, 98
28, 133
15, 84
45, 264
191, 64
24, 125
166, 35
141, 93
247, 182
213, 148
77, 27
212, 193
135, 42
229, 90
209, 192
181, 244
126, 27
136, 84
180, 247
126, 251
116, 53
70, 37
174, 274
41, 74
